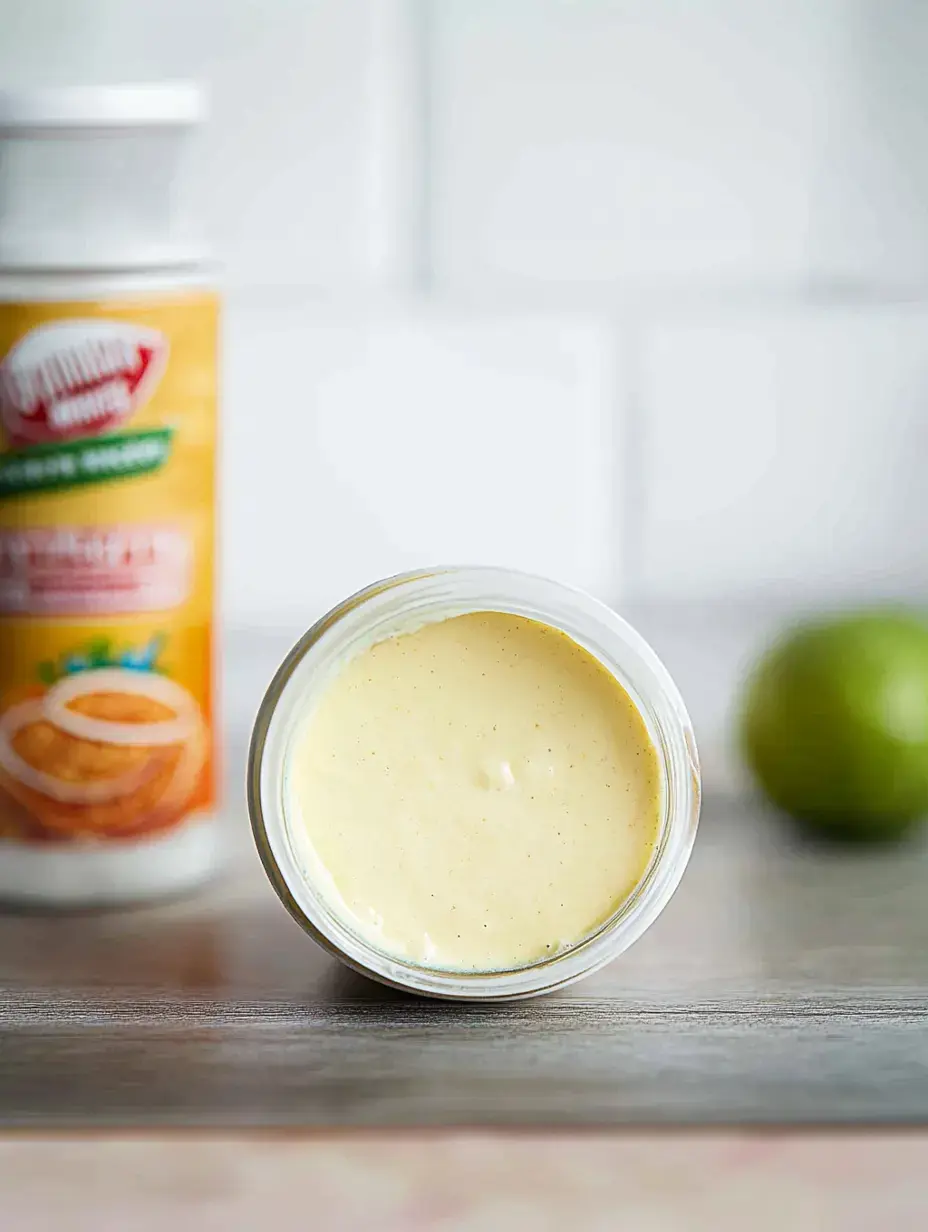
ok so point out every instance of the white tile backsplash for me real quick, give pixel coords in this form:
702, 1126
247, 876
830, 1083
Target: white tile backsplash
286, 162
656, 142
308, 174
785, 453
357, 449
632, 156
491, 144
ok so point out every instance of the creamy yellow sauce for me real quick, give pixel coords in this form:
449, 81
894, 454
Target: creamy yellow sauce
481, 793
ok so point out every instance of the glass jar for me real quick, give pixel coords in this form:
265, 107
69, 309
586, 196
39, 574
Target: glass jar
399, 605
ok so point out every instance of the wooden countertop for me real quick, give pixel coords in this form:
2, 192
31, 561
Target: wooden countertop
782, 984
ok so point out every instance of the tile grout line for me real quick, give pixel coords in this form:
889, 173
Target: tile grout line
629, 480
422, 16
398, 215
698, 304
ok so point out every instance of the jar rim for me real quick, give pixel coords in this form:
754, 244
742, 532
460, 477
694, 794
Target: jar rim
404, 601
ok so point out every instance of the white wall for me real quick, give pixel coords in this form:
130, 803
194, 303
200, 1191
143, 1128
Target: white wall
631, 292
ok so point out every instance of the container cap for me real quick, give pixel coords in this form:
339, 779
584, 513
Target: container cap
168, 104
96, 177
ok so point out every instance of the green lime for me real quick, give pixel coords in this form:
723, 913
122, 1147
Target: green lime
834, 724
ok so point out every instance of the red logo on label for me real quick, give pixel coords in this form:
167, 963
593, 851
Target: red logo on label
73, 379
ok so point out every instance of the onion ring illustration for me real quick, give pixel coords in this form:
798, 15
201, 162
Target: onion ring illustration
66, 791
106, 753
119, 680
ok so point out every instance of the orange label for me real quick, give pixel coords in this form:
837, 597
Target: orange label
107, 538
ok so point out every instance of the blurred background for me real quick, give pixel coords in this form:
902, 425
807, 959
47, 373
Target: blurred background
628, 292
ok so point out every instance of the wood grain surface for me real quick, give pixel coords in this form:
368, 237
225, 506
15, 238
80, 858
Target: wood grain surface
784, 983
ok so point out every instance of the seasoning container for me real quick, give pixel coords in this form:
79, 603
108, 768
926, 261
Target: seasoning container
108, 353
525, 635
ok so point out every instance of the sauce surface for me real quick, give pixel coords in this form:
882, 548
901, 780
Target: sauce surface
481, 792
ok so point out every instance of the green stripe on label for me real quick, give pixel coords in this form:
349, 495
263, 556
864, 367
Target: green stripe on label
50, 468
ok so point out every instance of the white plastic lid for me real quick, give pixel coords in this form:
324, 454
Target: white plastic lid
95, 177
156, 105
